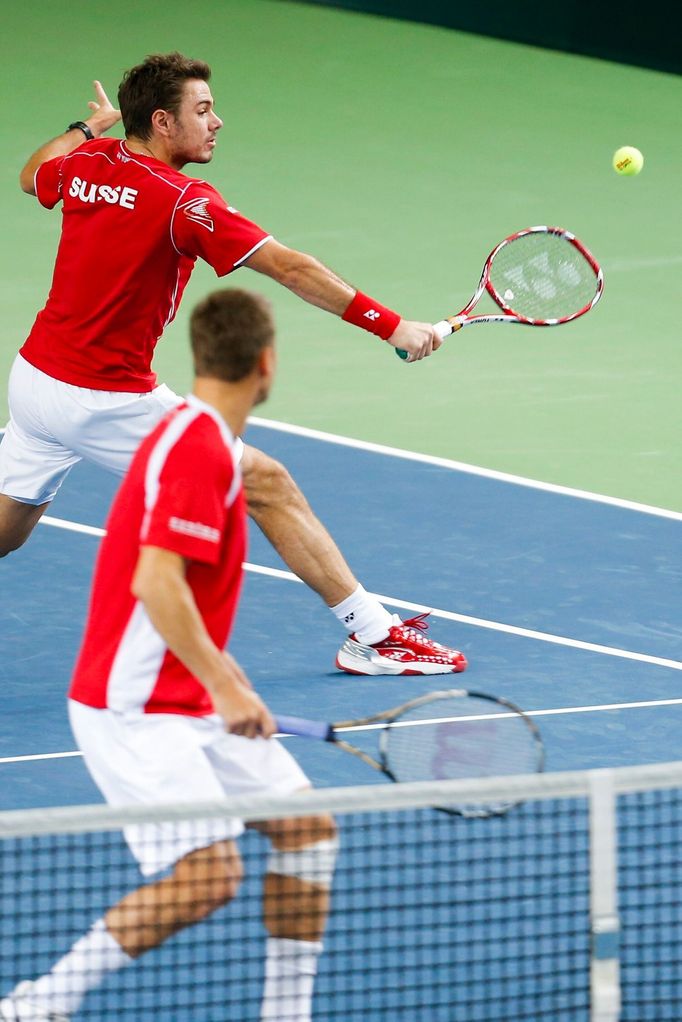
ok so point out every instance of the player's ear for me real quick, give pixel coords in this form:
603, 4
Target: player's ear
266, 366
267, 362
161, 121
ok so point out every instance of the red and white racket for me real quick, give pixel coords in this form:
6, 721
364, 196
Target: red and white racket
541, 276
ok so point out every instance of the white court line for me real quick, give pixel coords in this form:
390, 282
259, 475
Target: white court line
554, 712
461, 466
619, 264
447, 615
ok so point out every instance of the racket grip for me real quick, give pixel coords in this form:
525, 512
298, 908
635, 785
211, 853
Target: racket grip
305, 728
442, 328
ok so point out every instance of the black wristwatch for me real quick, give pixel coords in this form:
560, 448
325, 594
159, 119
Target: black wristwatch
82, 126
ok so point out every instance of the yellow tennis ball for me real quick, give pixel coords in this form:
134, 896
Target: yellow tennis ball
627, 161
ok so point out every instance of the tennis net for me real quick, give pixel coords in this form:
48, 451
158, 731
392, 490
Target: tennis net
567, 908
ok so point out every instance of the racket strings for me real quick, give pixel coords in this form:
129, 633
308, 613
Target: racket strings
542, 276
485, 739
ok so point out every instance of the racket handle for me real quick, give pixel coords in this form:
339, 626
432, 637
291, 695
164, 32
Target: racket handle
305, 728
442, 328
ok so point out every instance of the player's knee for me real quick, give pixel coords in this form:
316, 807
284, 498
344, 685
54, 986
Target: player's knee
11, 542
267, 483
306, 849
17, 522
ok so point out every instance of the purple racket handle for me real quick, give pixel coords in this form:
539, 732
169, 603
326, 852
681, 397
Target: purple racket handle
305, 728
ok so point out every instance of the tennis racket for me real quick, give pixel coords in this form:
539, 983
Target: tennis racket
541, 276
446, 735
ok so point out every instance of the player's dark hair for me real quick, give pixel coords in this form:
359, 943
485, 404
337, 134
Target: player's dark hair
156, 84
228, 331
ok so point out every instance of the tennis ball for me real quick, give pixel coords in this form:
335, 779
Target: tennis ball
627, 161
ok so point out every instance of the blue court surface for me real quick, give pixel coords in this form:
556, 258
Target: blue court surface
562, 602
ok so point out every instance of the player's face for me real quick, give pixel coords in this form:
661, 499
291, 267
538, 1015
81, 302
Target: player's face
193, 131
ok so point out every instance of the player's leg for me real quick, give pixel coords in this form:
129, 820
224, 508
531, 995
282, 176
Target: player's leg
298, 873
296, 891
33, 463
379, 643
156, 757
17, 522
200, 883
281, 511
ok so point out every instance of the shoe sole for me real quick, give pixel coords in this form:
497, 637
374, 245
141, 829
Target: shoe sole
397, 668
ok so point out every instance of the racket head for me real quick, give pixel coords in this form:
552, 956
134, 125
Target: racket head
457, 734
543, 276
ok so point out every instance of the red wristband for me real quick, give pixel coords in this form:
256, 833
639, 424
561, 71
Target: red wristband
365, 312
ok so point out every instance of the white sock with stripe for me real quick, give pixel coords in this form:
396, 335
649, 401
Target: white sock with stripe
81, 969
362, 614
290, 970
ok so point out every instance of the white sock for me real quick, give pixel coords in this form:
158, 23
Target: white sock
290, 969
363, 614
81, 969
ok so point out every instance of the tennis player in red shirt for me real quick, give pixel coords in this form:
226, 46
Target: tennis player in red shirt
82, 385
163, 714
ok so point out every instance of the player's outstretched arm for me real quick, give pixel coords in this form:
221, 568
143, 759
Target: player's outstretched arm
160, 584
104, 115
316, 283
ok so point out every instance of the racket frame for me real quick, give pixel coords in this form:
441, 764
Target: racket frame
451, 324
332, 733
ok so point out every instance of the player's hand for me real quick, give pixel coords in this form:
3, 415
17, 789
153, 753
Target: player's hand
418, 339
104, 113
244, 712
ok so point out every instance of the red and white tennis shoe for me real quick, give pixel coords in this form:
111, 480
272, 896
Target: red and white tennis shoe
405, 650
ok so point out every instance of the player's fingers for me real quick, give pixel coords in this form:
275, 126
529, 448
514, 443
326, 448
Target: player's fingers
268, 726
100, 93
425, 348
244, 726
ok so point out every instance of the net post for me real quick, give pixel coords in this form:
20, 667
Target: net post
605, 923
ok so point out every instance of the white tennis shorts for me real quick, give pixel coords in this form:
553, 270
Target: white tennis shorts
54, 425
145, 759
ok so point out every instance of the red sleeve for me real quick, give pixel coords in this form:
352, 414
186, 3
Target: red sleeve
189, 513
204, 225
48, 182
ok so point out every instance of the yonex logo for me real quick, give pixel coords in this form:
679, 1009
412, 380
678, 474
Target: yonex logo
197, 211
372, 314
349, 618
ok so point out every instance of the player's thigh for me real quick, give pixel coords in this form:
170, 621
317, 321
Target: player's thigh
33, 465
107, 427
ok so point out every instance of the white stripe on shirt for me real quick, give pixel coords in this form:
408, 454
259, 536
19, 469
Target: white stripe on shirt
136, 666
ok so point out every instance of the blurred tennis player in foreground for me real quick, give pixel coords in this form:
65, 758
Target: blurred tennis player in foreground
82, 385
162, 713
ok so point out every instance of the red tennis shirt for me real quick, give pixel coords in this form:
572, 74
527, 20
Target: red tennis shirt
132, 230
183, 492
